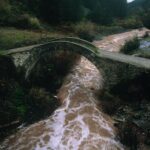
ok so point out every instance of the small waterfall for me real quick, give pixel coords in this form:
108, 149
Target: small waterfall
79, 124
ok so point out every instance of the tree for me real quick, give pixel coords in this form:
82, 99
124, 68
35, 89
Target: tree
5, 9
55, 11
103, 11
119, 8
146, 14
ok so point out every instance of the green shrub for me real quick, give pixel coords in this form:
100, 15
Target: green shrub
27, 22
5, 10
130, 23
146, 19
85, 30
34, 23
12, 102
130, 46
18, 100
89, 31
40, 104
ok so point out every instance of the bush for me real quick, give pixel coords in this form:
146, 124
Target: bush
18, 101
130, 23
85, 30
11, 93
27, 22
34, 23
130, 46
40, 104
5, 10
146, 19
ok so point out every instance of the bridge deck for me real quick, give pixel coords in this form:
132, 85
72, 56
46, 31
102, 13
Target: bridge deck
118, 57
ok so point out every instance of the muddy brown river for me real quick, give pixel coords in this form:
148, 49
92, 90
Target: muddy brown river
79, 124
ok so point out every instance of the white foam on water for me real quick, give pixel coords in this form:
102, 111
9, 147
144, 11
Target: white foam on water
78, 124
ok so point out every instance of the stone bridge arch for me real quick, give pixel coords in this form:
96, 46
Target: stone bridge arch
115, 67
76, 45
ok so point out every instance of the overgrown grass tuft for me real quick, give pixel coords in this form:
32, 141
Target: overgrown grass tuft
13, 38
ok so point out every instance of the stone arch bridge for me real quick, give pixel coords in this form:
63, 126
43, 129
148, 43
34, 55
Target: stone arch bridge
115, 67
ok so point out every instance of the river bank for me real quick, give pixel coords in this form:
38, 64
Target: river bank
78, 90
128, 102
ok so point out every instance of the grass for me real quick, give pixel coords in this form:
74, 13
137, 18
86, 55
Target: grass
132, 22
13, 38
145, 53
90, 31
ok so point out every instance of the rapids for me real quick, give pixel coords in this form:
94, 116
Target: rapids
79, 124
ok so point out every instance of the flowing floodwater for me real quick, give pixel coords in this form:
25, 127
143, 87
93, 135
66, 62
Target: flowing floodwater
144, 44
79, 124
114, 43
